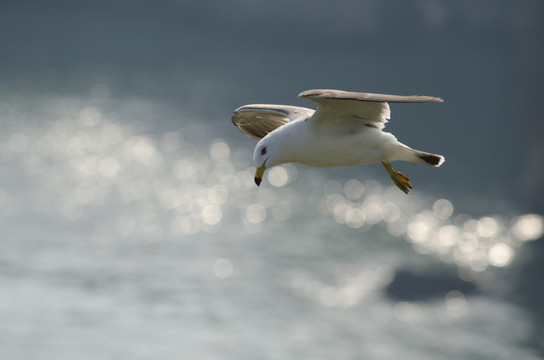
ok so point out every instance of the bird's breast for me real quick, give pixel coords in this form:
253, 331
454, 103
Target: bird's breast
334, 149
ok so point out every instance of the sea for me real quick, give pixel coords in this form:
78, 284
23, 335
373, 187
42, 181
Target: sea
131, 228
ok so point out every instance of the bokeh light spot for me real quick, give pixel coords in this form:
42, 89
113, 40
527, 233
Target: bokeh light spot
500, 255
528, 227
487, 227
255, 213
418, 230
212, 214
354, 189
278, 176
355, 218
442, 209
222, 268
219, 150
143, 150
448, 235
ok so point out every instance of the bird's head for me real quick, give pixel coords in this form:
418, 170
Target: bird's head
265, 156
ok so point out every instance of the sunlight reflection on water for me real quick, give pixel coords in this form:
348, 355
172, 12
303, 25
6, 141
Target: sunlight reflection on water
92, 158
461, 239
167, 185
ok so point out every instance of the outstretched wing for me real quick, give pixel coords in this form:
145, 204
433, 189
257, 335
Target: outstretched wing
257, 120
336, 107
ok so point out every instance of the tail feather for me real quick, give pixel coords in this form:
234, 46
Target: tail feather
429, 159
406, 153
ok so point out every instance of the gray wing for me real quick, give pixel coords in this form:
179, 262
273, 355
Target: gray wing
257, 120
353, 108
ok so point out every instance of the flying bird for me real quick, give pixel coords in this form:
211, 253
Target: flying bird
344, 130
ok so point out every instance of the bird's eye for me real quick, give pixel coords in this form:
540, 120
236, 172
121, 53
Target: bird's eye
263, 151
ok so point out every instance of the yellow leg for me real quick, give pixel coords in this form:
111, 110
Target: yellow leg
398, 178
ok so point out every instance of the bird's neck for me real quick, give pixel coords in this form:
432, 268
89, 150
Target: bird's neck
289, 141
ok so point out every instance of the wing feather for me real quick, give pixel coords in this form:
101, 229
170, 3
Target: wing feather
337, 106
257, 120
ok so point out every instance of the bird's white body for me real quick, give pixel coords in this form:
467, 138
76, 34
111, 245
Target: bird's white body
302, 143
345, 130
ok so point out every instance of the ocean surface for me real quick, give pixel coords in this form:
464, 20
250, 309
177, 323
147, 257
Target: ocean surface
131, 228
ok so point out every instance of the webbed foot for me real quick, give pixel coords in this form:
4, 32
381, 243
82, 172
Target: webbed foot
398, 178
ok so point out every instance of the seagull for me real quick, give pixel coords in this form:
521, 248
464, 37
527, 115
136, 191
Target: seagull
344, 130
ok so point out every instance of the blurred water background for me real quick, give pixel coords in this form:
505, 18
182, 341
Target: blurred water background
131, 226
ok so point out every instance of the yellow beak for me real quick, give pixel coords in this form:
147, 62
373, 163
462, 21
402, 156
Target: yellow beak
259, 173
